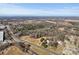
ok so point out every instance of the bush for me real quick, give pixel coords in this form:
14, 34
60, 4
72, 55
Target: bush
44, 44
42, 39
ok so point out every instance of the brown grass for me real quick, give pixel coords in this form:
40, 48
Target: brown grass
13, 50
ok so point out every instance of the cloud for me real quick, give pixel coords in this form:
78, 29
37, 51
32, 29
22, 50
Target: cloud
17, 10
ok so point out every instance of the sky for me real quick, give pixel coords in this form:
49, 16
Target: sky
39, 9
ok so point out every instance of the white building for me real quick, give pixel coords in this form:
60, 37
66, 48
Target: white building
1, 36
2, 27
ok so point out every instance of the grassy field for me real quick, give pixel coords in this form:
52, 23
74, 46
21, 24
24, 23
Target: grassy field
37, 42
13, 50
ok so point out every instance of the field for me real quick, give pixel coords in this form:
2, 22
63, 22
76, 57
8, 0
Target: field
55, 36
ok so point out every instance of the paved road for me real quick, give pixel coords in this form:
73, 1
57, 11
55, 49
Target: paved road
32, 45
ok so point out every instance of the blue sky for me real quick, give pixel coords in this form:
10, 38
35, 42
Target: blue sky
39, 9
